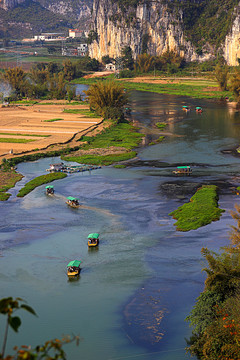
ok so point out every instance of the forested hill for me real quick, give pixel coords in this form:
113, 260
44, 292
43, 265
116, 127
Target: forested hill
20, 18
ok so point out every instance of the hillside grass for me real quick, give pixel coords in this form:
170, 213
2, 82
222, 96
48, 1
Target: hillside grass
200, 211
40, 180
101, 159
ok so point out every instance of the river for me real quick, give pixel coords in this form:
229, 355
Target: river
137, 288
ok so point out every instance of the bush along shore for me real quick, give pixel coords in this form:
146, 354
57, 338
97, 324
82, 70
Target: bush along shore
200, 211
40, 180
8, 179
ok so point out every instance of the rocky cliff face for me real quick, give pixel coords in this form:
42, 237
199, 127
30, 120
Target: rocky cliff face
232, 42
10, 4
75, 9
150, 23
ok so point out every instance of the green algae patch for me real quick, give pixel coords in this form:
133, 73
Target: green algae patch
43, 179
200, 211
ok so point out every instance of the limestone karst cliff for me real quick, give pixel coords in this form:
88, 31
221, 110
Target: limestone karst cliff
198, 30
148, 22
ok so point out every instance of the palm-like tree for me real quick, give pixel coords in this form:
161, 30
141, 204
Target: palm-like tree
107, 98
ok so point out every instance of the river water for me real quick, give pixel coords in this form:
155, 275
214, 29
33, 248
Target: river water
137, 288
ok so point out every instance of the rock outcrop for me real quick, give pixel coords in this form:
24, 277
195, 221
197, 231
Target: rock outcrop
10, 4
148, 24
231, 47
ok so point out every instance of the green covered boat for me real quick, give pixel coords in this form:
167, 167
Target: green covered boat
93, 239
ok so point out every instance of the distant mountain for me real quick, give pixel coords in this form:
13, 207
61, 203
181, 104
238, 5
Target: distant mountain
23, 18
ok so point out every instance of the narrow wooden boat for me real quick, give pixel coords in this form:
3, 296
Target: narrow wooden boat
73, 268
183, 170
199, 109
93, 240
73, 202
49, 190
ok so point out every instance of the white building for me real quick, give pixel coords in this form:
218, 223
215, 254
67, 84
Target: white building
82, 49
110, 67
75, 33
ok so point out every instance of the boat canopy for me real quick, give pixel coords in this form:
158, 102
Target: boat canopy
185, 106
93, 236
75, 263
72, 198
183, 167
198, 108
49, 187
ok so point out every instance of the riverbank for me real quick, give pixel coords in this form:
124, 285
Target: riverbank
199, 88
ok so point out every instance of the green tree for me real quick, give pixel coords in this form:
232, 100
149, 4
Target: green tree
127, 58
234, 83
221, 74
144, 63
107, 98
16, 78
69, 70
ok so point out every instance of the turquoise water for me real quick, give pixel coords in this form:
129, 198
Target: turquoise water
136, 289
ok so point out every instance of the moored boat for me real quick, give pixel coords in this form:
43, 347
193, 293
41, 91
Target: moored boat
49, 189
93, 239
183, 170
73, 268
73, 202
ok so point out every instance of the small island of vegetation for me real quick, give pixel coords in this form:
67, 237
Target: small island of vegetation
200, 211
40, 180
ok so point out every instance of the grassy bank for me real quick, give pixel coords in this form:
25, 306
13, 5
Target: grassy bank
120, 135
194, 89
201, 210
8, 179
43, 179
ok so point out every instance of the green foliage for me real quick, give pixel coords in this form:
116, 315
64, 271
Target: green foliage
223, 272
234, 84
92, 36
69, 70
122, 135
144, 63
106, 95
206, 20
127, 58
43, 179
200, 211
216, 317
204, 312
161, 125
126, 74
221, 73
